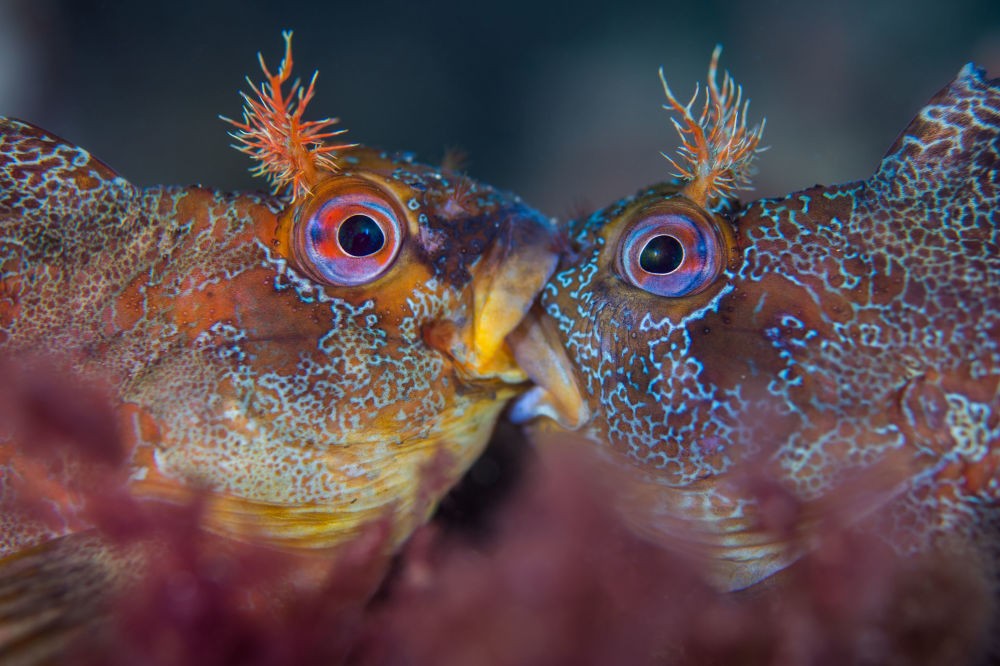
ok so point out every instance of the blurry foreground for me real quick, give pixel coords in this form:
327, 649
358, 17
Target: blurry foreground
537, 571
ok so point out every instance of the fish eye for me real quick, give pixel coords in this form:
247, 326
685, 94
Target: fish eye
671, 254
360, 236
661, 255
350, 238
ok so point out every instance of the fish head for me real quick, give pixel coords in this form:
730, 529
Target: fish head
835, 348
352, 360
311, 361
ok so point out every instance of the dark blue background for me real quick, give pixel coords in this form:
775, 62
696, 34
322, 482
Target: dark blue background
558, 101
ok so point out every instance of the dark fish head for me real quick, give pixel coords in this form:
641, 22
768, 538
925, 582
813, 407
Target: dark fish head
835, 334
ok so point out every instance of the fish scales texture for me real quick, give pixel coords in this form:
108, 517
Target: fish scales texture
306, 407
195, 376
852, 333
908, 310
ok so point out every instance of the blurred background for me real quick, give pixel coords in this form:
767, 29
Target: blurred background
557, 101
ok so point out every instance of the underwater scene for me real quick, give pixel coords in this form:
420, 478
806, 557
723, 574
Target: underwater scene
382, 333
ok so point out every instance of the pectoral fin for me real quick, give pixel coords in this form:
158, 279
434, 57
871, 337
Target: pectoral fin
52, 593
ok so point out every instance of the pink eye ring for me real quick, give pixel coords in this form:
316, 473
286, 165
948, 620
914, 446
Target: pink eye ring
671, 254
351, 238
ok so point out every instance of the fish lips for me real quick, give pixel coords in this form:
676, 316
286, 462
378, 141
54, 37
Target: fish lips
557, 394
506, 281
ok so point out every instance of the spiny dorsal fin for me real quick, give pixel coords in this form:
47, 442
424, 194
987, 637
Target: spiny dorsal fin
953, 140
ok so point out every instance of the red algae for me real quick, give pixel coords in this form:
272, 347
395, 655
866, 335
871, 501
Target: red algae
562, 581
543, 570
205, 601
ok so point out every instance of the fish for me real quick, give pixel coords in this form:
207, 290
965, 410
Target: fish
303, 363
836, 350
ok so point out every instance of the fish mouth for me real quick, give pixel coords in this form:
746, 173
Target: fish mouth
557, 394
505, 284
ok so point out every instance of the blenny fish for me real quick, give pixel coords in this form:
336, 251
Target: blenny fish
841, 342
315, 360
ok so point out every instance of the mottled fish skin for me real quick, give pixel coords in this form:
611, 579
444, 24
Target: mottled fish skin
308, 409
852, 330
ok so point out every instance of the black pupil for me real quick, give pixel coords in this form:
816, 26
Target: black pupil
662, 255
360, 236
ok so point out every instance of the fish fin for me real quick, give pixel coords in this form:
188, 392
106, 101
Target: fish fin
953, 142
48, 180
60, 209
51, 593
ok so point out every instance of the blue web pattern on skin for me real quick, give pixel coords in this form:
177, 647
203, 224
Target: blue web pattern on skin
859, 331
259, 382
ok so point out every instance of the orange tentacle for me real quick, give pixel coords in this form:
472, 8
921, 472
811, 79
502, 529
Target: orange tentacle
717, 147
288, 150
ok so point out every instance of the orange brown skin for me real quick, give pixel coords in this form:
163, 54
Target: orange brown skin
308, 410
848, 352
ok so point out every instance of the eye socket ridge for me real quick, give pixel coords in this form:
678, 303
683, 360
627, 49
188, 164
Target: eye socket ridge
671, 253
351, 236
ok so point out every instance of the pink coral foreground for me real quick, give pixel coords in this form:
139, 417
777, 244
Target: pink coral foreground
547, 575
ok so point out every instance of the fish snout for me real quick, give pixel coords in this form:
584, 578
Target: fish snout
540, 354
505, 281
